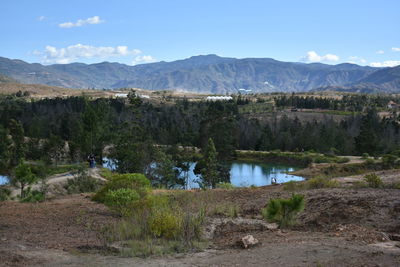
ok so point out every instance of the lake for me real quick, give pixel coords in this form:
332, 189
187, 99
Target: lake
245, 174
3, 179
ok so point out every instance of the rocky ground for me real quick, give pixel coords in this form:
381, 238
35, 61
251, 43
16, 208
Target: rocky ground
339, 227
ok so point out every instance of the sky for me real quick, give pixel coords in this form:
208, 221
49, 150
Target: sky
134, 32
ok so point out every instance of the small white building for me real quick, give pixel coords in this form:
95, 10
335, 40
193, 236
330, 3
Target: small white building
121, 95
218, 98
392, 105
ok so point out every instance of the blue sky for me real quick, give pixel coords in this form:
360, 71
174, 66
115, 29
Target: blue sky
132, 32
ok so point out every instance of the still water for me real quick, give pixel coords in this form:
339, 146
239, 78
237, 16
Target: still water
3, 179
245, 174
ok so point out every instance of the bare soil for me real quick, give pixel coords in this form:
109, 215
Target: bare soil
339, 227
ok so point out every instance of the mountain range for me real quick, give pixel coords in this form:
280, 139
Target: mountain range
208, 74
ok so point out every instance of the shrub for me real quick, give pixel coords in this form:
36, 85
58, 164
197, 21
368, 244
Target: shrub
134, 181
365, 155
373, 180
4, 193
81, 183
228, 210
34, 196
122, 200
320, 182
164, 222
369, 161
389, 160
293, 186
225, 186
283, 211
157, 225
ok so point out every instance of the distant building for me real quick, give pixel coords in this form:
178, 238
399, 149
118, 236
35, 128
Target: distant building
218, 98
122, 95
392, 105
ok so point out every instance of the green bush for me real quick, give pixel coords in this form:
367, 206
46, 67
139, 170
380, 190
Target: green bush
283, 211
225, 186
81, 183
389, 160
34, 196
293, 186
4, 193
369, 161
365, 155
159, 225
320, 182
228, 210
164, 222
134, 181
122, 200
373, 180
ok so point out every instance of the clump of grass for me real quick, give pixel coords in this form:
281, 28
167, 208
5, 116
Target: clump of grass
4, 193
320, 182
225, 186
294, 186
227, 210
313, 183
283, 211
151, 224
81, 183
373, 180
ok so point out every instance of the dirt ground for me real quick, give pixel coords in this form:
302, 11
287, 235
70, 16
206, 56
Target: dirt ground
339, 227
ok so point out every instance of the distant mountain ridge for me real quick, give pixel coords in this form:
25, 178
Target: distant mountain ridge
209, 74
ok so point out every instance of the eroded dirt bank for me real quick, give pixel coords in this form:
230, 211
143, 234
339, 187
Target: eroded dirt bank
339, 227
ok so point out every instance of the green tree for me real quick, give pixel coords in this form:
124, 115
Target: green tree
54, 148
23, 177
367, 141
209, 171
5, 149
18, 148
165, 172
283, 211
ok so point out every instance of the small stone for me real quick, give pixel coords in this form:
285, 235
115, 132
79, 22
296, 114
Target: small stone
248, 241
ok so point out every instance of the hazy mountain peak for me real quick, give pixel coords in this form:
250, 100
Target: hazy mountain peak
204, 73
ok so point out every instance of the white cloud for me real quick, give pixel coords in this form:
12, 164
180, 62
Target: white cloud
388, 63
143, 59
312, 56
380, 52
396, 49
41, 18
81, 22
76, 52
356, 60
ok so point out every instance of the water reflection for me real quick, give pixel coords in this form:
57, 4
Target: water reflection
243, 174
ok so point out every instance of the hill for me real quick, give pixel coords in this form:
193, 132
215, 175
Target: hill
209, 74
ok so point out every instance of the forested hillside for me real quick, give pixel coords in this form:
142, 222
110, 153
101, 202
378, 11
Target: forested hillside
91, 125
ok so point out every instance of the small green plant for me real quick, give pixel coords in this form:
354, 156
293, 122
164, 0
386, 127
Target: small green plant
365, 155
34, 196
4, 193
389, 160
373, 180
320, 182
283, 211
23, 177
369, 161
122, 200
225, 186
293, 186
81, 183
228, 210
134, 181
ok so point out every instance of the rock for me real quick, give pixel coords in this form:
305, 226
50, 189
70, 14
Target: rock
248, 241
